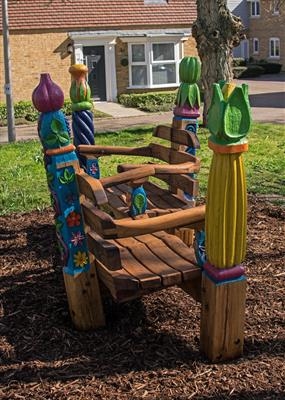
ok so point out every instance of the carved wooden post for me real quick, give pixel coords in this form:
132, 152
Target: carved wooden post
185, 117
61, 164
82, 116
223, 281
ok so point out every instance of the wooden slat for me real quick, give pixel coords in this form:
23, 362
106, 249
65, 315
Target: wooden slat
158, 201
134, 174
167, 255
117, 282
97, 151
183, 182
180, 136
173, 201
115, 200
99, 221
168, 275
178, 246
147, 279
91, 188
187, 217
104, 250
182, 168
171, 156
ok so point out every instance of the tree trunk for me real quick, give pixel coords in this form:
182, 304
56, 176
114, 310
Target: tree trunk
216, 31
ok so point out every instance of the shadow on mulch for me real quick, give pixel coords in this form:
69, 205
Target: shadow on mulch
142, 338
37, 326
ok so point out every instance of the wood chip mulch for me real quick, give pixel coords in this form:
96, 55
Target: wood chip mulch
150, 347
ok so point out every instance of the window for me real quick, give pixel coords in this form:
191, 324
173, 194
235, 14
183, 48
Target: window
255, 9
275, 7
154, 64
255, 45
274, 48
146, 2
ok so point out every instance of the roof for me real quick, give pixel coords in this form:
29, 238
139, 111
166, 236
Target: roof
124, 34
97, 14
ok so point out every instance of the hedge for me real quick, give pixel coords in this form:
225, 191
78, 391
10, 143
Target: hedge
270, 68
152, 101
251, 71
25, 110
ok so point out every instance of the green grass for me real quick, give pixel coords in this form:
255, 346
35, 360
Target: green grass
23, 184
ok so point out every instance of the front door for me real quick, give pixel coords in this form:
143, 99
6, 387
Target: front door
95, 61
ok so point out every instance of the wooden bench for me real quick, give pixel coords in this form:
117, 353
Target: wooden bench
134, 256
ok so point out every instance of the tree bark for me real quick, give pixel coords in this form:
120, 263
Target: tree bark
216, 31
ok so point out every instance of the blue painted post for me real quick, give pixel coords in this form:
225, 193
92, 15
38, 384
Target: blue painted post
61, 165
82, 116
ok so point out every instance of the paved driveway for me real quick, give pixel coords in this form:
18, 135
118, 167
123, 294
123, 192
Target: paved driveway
267, 97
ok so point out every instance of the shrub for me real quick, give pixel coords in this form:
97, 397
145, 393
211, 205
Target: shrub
239, 62
271, 68
25, 111
238, 71
251, 71
151, 102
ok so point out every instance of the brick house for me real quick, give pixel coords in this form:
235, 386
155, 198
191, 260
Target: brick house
240, 9
127, 45
267, 30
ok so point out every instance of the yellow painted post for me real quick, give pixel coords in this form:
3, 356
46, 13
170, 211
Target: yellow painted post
223, 281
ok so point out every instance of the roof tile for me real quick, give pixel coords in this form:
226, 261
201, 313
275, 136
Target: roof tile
97, 14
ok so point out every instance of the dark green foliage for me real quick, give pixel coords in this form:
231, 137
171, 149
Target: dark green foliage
152, 102
270, 68
24, 110
250, 71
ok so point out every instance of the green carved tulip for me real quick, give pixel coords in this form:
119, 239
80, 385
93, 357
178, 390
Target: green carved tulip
189, 72
229, 117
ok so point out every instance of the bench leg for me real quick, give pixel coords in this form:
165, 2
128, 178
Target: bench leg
84, 299
222, 319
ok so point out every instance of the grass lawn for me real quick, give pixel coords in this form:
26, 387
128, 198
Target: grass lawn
23, 185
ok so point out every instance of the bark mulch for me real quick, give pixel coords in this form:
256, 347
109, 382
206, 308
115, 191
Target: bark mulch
150, 348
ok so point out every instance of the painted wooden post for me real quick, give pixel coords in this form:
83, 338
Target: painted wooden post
61, 163
82, 116
223, 281
186, 114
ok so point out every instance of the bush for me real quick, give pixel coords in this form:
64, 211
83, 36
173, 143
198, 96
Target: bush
251, 71
25, 111
270, 68
238, 71
151, 102
239, 62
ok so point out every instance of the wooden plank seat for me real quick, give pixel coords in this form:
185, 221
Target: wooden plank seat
142, 264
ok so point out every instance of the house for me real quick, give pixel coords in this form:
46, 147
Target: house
240, 9
267, 30
128, 46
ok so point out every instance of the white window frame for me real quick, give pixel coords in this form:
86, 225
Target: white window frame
275, 7
255, 41
155, 2
255, 4
149, 62
275, 40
